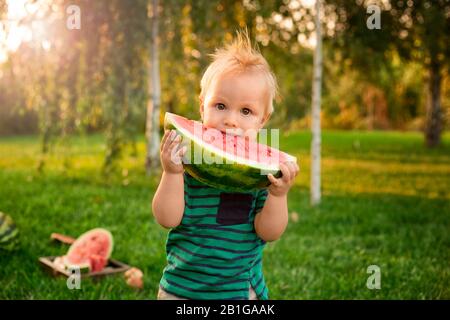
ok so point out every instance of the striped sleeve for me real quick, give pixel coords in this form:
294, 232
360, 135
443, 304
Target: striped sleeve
261, 200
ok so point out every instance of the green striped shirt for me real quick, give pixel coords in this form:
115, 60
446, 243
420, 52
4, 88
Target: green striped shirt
215, 252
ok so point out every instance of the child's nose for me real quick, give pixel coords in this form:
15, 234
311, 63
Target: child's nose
230, 121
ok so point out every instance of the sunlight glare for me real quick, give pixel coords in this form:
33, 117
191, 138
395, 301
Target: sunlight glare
14, 31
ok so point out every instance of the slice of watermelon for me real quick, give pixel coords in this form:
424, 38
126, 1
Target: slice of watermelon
97, 262
225, 161
91, 250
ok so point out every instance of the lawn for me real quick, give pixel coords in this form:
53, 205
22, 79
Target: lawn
386, 202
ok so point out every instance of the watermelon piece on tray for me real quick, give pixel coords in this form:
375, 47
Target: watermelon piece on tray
90, 252
226, 161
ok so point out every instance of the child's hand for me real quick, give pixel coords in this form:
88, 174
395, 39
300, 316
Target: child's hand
170, 152
281, 186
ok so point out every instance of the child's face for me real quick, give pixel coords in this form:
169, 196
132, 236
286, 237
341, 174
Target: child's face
236, 103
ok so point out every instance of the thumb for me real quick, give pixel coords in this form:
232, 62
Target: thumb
272, 179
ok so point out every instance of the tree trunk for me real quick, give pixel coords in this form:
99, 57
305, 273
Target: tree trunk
315, 111
434, 117
153, 105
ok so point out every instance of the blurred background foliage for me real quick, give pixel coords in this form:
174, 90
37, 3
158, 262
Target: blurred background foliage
58, 82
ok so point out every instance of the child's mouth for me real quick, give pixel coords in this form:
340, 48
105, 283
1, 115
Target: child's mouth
233, 132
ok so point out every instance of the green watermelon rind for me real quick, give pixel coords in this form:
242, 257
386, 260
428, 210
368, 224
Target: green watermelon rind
247, 175
67, 266
9, 234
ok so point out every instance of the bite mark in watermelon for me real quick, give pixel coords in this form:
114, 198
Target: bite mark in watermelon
226, 161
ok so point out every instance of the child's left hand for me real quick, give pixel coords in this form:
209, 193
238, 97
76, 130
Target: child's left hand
281, 186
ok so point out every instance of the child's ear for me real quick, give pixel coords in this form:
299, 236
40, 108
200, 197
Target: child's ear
264, 120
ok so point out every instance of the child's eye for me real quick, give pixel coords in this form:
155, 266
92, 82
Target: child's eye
220, 106
246, 111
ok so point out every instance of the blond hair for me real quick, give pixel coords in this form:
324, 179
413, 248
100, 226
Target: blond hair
239, 56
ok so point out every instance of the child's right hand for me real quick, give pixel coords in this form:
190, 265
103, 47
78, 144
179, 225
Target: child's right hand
171, 153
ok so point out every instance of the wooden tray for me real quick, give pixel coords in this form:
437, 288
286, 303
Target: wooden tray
112, 267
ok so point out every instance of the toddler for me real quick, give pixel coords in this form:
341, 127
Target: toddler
215, 245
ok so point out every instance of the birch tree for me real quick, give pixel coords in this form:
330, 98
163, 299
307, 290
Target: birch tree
315, 112
154, 101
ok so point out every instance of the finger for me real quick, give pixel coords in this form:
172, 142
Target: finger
177, 139
292, 170
285, 171
164, 139
287, 164
169, 141
174, 151
272, 179
177, 155
170, 149
174, 143
173, 135
182, 151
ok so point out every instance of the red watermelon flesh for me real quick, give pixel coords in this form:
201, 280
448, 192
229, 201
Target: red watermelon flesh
92, 249
97, 262
233, 145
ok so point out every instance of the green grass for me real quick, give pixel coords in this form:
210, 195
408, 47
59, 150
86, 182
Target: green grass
385, 202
